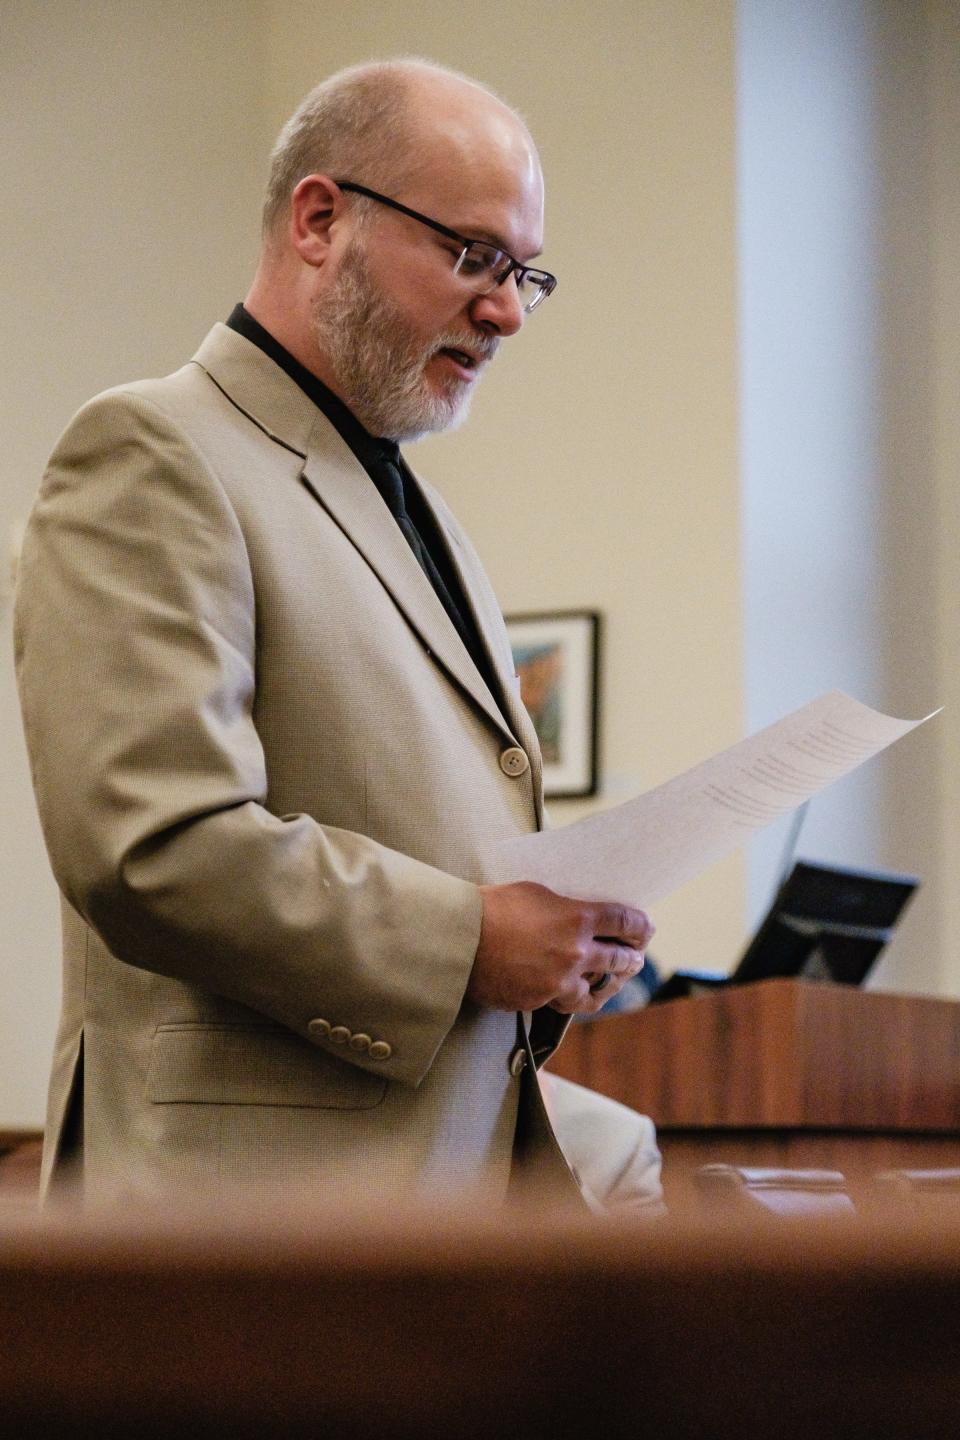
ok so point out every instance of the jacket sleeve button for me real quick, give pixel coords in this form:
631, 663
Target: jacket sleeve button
380, 1050
339, 1035
319, 1029
359, 1041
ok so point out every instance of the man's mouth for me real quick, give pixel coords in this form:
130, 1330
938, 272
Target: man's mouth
462, 357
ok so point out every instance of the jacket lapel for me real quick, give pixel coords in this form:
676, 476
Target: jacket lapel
344, 489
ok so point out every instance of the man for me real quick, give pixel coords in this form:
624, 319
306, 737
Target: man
270, 707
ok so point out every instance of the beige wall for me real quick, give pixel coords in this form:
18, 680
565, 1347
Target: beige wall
944, 73
600, 467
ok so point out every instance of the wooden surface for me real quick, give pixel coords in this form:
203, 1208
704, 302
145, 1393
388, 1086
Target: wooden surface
783, 1073
20, 1153
13, 1139
441, 1329
780, 1054
858, 1155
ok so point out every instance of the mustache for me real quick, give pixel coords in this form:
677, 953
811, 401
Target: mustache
481, 347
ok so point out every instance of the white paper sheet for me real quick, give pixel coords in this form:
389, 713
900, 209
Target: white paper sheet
642, 850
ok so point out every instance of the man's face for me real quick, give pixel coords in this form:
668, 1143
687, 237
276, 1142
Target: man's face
404, 337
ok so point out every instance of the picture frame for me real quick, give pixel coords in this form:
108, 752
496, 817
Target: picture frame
556, 655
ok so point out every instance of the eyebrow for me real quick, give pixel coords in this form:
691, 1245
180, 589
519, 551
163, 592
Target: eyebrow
491, 239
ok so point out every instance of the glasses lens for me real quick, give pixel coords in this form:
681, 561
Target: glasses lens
482, 265
533, 286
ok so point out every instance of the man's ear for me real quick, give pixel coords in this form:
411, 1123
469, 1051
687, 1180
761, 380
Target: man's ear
315, 205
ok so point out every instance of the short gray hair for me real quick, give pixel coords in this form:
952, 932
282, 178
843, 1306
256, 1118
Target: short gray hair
353, 125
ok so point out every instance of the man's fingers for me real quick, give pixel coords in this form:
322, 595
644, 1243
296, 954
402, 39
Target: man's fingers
582, 999
608, 959
622, 925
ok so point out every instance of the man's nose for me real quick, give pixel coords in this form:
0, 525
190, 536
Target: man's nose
499, 312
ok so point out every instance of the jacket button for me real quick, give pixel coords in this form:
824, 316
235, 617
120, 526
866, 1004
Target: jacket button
514, 762
518, 1060
360, 1041
339, 1035
380, 1050
320, 1029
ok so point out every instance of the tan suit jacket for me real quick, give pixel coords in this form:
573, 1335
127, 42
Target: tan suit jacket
269, 776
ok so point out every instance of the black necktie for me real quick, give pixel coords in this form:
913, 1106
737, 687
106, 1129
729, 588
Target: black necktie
394, 494
392, 489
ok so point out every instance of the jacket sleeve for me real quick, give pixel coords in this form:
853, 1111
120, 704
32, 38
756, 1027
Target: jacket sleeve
135, 645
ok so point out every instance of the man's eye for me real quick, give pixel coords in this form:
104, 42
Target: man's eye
476, 262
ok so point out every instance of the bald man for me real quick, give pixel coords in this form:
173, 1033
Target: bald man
272, 714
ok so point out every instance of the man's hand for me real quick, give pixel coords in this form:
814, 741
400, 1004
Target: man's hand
537, 948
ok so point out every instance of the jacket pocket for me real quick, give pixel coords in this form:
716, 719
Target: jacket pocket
207, 1063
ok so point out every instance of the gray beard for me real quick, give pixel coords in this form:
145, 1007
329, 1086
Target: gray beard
378, 365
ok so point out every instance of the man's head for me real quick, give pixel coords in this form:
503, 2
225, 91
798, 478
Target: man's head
382, 304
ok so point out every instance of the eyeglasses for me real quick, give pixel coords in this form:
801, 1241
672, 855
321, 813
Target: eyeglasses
479, 264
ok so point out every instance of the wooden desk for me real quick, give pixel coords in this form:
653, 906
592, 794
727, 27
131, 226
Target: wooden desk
785, 1073
382, 1330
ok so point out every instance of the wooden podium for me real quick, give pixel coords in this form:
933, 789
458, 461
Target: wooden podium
783, 1073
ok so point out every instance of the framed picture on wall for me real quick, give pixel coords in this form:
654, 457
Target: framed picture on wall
556, 656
